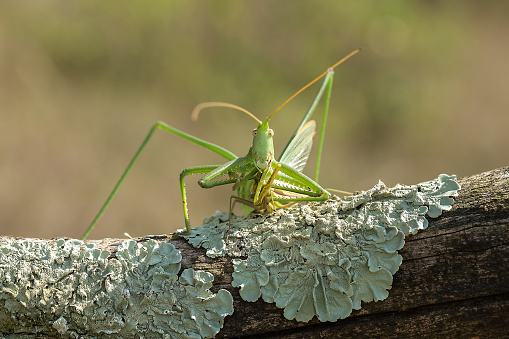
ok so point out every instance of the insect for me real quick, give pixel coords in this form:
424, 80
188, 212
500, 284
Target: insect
261, 181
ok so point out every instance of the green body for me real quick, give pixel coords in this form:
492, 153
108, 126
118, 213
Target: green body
261, 181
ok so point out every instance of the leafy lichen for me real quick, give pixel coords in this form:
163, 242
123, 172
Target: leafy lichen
325, 258
69, 289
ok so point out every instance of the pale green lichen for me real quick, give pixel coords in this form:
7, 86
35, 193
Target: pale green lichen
72, 290
325, 258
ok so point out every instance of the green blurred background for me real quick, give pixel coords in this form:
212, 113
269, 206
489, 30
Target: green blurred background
81, 83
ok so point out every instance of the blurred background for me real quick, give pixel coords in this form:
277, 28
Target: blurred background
81, 83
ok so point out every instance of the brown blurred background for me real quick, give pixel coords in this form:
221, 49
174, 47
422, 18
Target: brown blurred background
81, 83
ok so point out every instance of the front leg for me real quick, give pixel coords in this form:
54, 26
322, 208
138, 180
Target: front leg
185, 172
268, 202
211, 179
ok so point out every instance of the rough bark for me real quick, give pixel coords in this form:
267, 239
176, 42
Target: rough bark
453, 281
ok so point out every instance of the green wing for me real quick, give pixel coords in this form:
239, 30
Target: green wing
297, 153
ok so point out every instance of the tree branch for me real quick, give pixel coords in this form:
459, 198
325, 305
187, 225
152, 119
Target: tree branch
453, 280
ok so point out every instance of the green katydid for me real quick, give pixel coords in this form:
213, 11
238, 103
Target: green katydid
262, 182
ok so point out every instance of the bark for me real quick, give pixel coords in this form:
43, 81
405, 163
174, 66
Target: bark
453, 281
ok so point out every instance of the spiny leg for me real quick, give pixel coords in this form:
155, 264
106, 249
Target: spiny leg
196, 170
246, 178
305, 189
235, 198
283, 193
267, 188
264, 182
211, 179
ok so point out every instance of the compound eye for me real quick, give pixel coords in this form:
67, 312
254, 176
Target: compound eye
255, 132
271, 133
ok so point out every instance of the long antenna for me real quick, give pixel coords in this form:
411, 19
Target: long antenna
315, 80
197, 109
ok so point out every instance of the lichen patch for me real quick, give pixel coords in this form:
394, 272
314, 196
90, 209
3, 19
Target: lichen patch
72, 290
324, 259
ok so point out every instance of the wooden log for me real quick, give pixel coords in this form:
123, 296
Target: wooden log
453, 281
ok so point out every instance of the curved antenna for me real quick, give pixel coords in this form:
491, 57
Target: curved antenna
199, 107
315, 80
